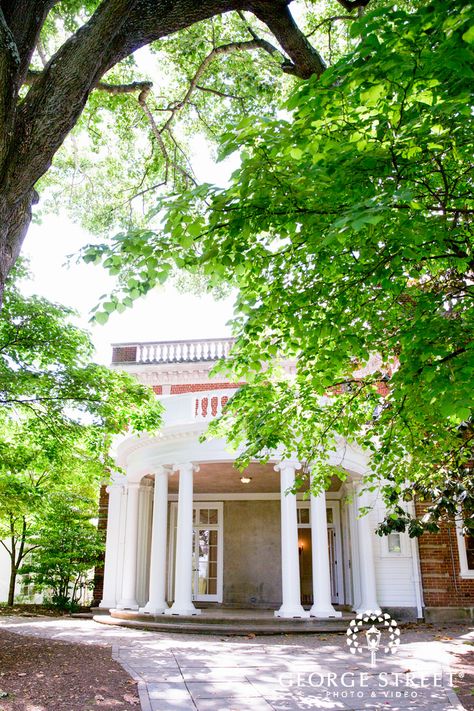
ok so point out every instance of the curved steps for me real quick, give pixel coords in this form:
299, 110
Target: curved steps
231, 625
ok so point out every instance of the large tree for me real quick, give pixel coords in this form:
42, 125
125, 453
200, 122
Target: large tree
39, 106
348, 231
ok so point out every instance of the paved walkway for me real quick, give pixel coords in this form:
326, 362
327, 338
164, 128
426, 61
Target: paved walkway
286, 673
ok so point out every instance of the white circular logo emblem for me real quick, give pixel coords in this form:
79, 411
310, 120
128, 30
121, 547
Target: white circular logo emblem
374, 632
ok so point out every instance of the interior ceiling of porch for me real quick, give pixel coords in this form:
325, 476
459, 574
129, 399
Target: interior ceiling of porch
224, 478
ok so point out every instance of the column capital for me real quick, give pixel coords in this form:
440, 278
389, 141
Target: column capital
185, 466
287, 464
114, 487
132, 485
161, 470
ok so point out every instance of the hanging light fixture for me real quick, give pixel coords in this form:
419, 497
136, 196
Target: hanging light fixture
245, 479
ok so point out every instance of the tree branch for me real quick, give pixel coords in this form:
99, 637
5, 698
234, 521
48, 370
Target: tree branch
353, 4
34, 75
216, 92
157, 132
55, 102
116, 29
25, 20
332, 19
306, 60
9, 66
222, 49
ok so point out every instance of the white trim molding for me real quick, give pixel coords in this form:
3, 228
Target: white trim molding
464, 570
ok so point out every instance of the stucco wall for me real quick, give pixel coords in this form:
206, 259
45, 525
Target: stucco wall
252, 553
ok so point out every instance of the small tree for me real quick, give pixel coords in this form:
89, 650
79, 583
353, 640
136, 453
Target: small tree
19, 500
67, 547
58, 413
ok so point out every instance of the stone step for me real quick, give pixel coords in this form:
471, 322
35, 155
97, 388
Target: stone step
228, 627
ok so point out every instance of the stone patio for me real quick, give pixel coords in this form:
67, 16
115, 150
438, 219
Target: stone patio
179, 672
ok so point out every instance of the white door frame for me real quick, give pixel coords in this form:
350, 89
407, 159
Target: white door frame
219, 527
335, 526
337, 572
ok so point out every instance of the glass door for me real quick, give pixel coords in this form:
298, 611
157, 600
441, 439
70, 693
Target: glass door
207, 552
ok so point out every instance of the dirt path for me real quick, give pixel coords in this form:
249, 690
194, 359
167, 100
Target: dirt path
47, 675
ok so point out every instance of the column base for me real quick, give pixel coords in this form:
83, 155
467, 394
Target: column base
127, 605
324, 614
369, 609
153, 609
292, 612
185, 611
108, 604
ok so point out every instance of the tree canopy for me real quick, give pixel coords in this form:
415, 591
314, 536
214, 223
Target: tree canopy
58, 414
47, 373
348, 232
56, 56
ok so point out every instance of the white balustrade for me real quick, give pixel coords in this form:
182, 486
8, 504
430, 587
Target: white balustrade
208, 349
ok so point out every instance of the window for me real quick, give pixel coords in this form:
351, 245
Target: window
469, 543
466, 552
395, 544
303, 516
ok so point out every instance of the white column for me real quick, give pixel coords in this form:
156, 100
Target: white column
290, 564
115, 492
128, 600
156, 604
183, 602
322, 605
145, 503
366, 558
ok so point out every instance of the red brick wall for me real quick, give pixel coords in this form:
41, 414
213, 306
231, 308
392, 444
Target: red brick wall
158, 389
102, 526
124, 354
439, 562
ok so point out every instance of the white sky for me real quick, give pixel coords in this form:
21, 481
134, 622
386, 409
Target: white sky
164, 314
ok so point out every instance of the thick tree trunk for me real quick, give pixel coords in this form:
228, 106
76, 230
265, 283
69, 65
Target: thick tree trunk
15, 218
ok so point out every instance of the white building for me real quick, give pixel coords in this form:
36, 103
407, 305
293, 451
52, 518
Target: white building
186, 531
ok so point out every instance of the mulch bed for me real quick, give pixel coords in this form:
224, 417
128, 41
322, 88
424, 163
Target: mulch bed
464, 685
48, 675
27, 610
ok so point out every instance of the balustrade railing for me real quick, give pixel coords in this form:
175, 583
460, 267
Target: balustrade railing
189, 351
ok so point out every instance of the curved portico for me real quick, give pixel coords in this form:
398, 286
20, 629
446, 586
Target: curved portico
186, 531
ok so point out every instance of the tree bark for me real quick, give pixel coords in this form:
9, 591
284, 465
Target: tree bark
33, 129
15, 220
11, 585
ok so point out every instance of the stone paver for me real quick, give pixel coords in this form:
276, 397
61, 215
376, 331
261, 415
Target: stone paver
285, 673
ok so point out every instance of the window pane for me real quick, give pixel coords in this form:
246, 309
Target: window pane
303, 515
212, 515
470, 551
330, 515
204, 516
394, 543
